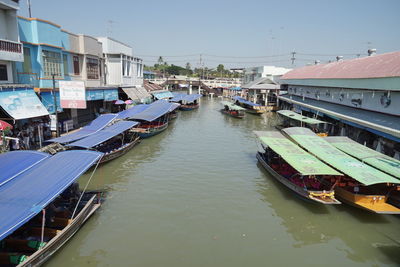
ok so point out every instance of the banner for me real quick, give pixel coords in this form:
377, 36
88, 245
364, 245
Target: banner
72, 94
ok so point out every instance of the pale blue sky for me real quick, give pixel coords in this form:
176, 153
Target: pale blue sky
240, 30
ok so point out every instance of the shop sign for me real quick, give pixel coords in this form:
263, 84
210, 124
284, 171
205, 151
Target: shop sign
72, 94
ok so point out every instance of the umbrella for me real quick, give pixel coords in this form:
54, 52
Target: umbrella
128, 102
119, 102
5, 125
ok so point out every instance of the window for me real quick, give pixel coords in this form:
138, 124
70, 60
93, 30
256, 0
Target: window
123, 66
76, 65
27, 60
65, 61
92, 66
3, 72
51, 63
128, 68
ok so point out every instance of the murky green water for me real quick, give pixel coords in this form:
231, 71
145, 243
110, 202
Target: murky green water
195, 196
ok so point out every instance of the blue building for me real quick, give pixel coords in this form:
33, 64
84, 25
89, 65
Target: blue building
49, 50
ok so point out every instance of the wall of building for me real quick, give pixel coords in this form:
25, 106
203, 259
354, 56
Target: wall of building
8, 25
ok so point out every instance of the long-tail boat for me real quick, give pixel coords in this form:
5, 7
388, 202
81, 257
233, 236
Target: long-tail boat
41, 207
249, 106
295, 168
293, 119
232, 110
362, 186
187, 102
153, 119
114, 141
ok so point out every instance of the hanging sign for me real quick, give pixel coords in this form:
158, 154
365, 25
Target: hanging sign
72, 94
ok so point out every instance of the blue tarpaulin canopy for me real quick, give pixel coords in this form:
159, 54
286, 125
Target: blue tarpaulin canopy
185, 98
237, 88
95, 126
27, 194
177, 97
131, 111
244, 101
104, 135
155, 111
16, 162
162, 94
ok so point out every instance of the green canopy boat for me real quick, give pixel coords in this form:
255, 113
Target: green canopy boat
232, 110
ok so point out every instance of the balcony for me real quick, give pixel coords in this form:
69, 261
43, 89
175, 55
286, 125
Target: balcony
11, 51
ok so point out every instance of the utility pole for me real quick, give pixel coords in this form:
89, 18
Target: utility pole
200, 73
55, 104
293, 57
29, 8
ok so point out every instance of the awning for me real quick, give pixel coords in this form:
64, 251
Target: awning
131, 111
371, 157
299, 159
231, 106
27, 194
104, 135
142, 92
337, 159
48, 101
385, 123
22, 104
136, 93
95, 126
16, 162
162, 94
154, 111
244, 101
295, 116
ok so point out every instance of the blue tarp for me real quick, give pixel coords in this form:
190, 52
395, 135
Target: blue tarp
104, 135
177, 97
185, 98
131, 111
154, 111
27, 194
16, 162
162, 94
95, 126
244, 101
237, 88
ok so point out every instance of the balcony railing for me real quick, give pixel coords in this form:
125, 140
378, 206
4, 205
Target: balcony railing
9, 46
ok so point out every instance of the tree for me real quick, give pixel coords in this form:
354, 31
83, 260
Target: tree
160, 60
220, 68
188, 67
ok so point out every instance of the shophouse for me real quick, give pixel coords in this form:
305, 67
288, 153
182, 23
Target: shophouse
52, 54
360, 97
123, 70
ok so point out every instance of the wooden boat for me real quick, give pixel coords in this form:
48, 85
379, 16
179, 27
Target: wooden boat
361, 186
293, 119
173, 115
188, 107
29, 236
232, 110
250, 107
295, 168
114, 141
187, 102
148, 129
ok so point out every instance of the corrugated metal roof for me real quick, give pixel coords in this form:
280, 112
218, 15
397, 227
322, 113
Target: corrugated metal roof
377, 66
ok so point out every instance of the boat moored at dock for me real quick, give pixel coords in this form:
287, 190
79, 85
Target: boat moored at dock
362, 186
250, 107
44, 207
295, 168
187, 102
293, 119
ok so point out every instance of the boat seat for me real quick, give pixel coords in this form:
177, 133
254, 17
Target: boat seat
22, 245
11, 258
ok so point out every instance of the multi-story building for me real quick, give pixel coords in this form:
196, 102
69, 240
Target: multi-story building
124, 70
50, 51
255, 73
360, 97
10, 47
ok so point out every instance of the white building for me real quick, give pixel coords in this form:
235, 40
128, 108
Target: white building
121, 67
11, 50
271, 72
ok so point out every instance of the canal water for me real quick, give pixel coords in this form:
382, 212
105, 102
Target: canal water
194, 195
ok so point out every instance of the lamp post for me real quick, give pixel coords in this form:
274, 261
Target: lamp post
55, 105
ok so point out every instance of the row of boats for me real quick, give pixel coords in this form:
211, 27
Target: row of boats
41, 204
330, 169
240, 105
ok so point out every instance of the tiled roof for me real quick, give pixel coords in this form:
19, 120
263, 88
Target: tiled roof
377, 66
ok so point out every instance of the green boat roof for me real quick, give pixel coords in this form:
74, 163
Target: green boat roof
325, 151
296, 116
300, 160
366, 154
232, 106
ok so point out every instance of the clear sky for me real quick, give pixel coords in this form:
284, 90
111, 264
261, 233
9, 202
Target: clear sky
235, 33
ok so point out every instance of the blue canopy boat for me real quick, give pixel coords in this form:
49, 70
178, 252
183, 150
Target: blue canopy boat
250, 107
32, 231
188, 102
114, 141
154, 119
